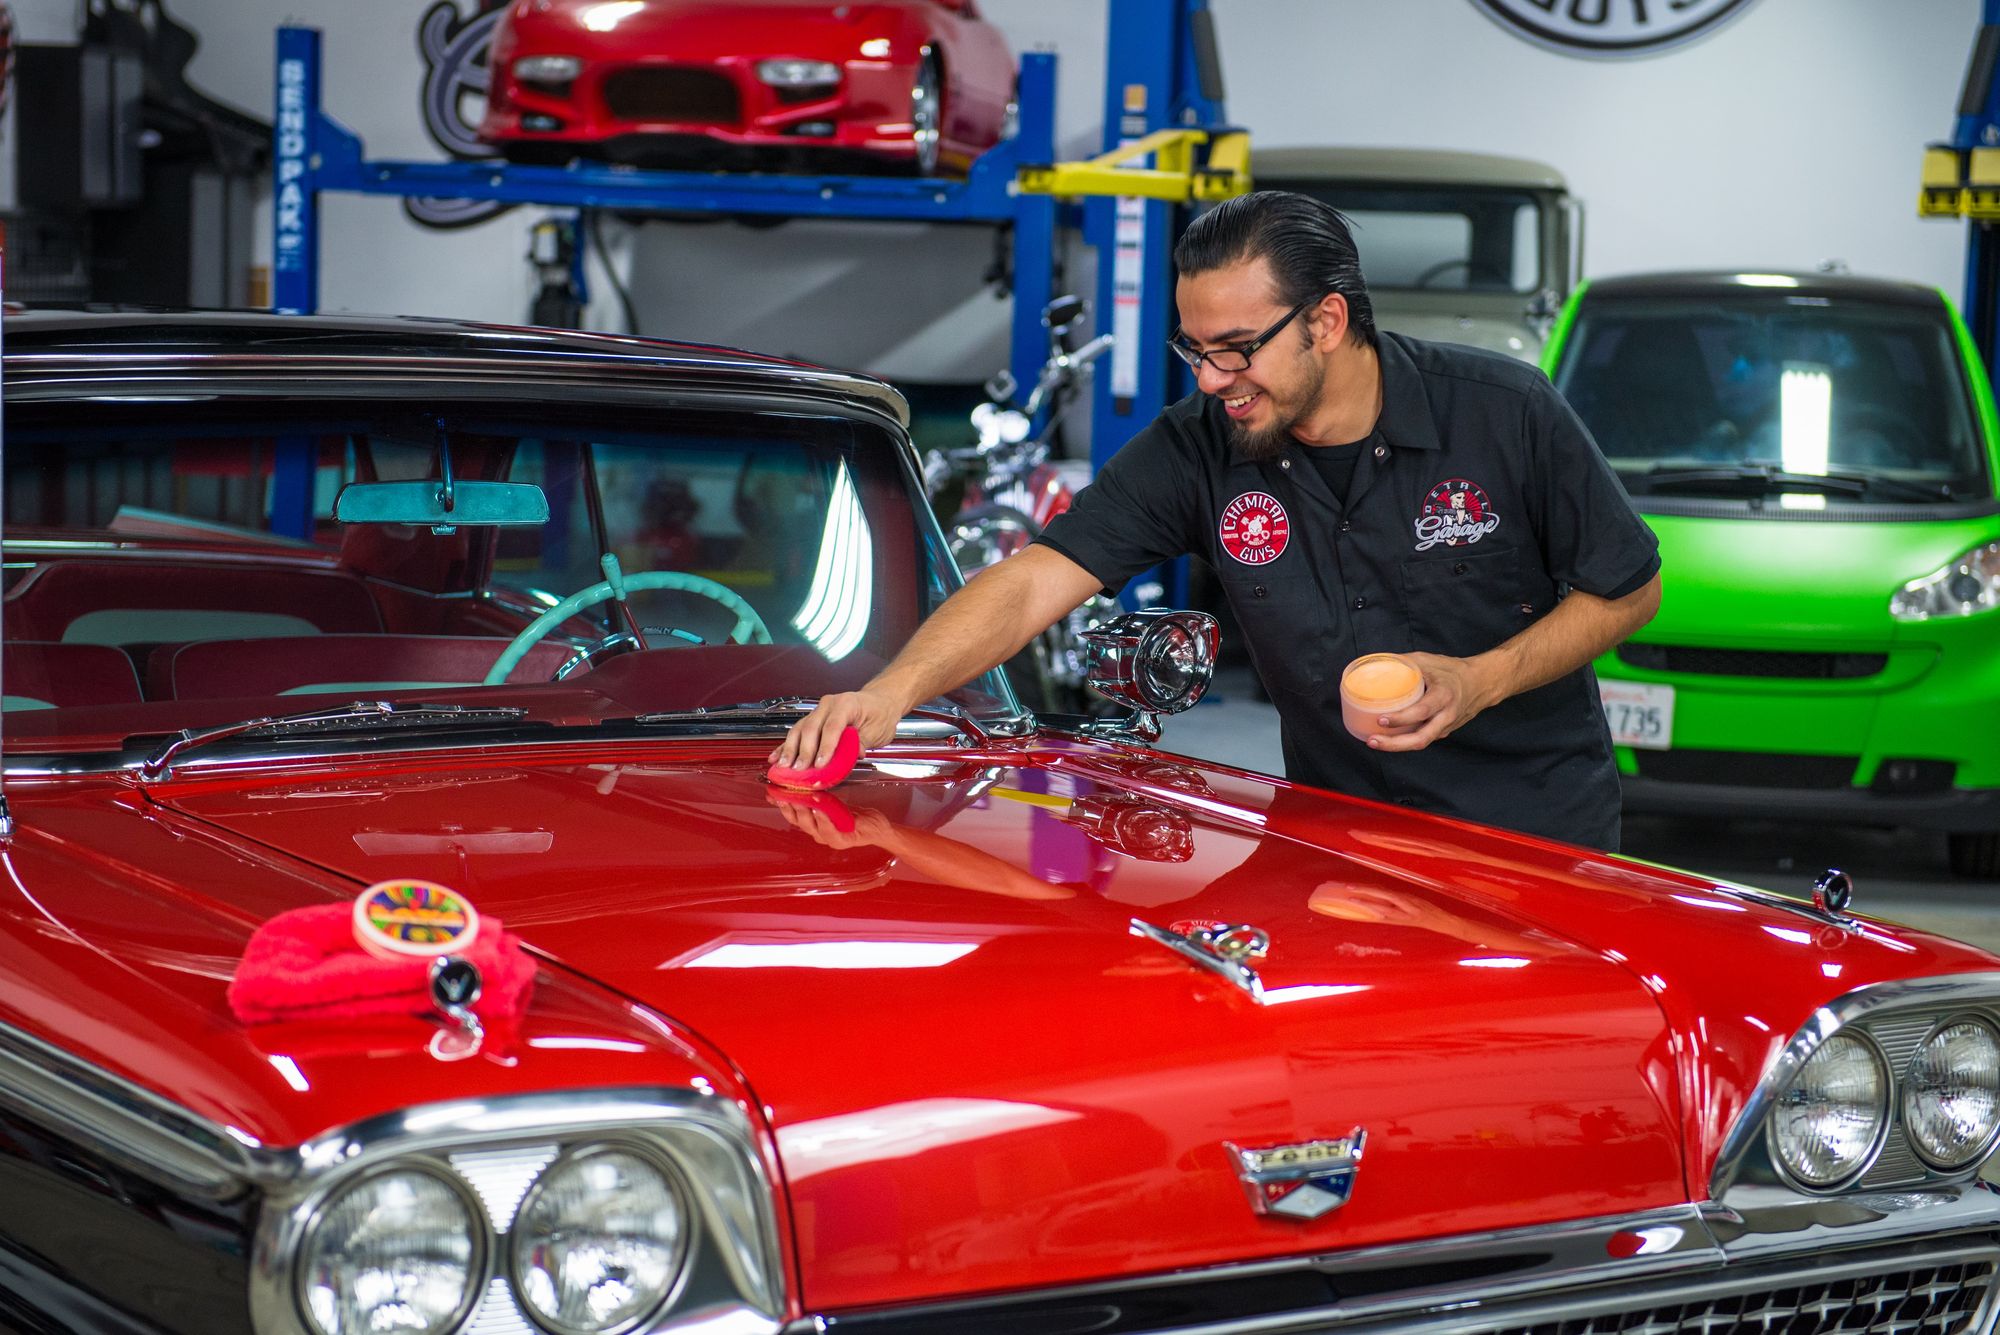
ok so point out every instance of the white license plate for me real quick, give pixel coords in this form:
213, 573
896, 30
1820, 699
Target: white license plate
1639, 714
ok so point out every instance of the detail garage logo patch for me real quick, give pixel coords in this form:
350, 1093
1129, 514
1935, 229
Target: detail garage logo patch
1255, 529
1456, 511
1611, 27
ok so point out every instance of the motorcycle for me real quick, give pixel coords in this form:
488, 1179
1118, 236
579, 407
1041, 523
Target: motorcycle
996, 495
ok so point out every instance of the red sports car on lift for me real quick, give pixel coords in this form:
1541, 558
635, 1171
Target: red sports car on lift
923, 84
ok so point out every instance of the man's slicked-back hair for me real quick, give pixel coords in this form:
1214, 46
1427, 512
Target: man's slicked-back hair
1305, 241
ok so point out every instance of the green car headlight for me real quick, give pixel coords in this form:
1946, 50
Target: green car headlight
600, 1243
1825, 1128
1951, 1096
1967, 585
396, 1251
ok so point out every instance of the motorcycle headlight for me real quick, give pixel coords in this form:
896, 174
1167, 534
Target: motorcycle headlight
1951, 1096
399, 1251
785, 73
1967, 585
1825, 1128
600, 1243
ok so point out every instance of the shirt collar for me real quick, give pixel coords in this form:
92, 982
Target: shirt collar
1406, 419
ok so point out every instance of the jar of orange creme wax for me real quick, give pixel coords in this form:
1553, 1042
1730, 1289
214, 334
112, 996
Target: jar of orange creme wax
1377, 684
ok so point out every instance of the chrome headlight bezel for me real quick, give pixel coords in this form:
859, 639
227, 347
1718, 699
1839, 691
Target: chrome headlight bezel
1885, 1106
479, 1268
1908, 1091
494, 1151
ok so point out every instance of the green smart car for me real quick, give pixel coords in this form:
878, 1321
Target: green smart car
1818, 456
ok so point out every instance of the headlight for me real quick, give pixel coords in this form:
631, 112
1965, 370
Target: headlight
547, 69
798, 73
1951, 1097
1155, 660
393, 1252
1826, 1127
600, 1243
1965, 586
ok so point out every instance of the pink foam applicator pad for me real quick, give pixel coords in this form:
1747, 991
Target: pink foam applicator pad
813, 778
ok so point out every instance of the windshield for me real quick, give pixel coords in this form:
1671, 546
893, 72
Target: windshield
1691, 394
1438, 239
180, 565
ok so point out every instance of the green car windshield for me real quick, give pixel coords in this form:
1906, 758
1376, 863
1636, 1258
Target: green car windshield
1761, 393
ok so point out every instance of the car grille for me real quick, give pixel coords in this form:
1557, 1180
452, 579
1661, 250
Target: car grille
1750, 769
1944, 1287
1914, 1301
1697, 661
672, 93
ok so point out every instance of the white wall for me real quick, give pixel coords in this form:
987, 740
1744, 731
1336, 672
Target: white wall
1790, 136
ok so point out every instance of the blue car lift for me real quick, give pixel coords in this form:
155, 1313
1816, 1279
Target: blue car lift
1961, 179
1163, 102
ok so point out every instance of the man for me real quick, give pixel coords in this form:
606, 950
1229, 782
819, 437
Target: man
1357, 492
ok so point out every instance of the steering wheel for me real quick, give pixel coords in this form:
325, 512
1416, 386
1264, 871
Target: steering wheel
749, 627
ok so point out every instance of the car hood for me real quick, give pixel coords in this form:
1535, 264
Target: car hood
980, 1076
1793, 577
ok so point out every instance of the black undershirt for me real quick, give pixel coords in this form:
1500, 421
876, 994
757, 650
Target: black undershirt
1336, 464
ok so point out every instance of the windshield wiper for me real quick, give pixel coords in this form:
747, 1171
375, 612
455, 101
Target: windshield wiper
360, 716
1750, 479
782, 711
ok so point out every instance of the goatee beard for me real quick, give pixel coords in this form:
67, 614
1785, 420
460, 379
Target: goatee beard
1262, 446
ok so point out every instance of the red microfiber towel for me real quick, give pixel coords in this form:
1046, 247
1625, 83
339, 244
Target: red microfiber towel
305, 964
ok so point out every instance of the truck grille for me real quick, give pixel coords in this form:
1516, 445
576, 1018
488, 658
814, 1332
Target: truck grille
672, 93
1696, 661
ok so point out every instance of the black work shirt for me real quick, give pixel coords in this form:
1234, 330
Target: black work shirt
1478, 501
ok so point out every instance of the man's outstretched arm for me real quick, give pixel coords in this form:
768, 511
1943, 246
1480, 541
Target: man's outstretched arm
981, 626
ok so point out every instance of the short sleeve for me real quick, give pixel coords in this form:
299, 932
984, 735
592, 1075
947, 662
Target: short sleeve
1590, 536
1137, 512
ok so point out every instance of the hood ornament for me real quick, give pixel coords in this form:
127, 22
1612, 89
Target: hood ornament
1221, 948
1302, 1181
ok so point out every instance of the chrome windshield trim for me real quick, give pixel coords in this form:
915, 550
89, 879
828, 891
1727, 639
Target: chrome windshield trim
1747, 1134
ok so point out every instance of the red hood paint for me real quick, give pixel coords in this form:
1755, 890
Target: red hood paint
978, 1078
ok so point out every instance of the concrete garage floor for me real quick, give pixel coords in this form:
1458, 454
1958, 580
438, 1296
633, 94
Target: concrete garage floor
1899, 875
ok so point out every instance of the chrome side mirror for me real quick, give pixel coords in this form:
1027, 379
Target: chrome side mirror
1156, 661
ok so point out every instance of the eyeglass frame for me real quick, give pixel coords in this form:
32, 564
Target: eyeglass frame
1195, 358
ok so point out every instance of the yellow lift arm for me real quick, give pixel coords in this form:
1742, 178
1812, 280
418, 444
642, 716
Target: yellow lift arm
1176, 176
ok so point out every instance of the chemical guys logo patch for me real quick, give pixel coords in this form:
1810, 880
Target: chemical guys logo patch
1456, 511
1255, 529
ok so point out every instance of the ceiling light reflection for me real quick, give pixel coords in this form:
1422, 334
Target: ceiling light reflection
1277, 996
835, 614
831, 955
899, 1130
1805, 397
1792, 934
1495, 962
605, 17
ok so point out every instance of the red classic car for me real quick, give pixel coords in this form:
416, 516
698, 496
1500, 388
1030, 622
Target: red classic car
1025, 1027
924, 84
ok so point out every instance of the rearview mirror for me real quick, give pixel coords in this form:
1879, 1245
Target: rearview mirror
442, 506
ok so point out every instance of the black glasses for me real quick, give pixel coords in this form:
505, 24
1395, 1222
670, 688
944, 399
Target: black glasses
1235, 356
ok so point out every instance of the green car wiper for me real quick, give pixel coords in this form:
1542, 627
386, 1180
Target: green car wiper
362, 716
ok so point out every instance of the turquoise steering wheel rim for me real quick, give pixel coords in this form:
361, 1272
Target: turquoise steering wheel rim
749, 627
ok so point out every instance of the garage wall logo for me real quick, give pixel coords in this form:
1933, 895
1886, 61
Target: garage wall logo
1255, 528
454, 46
1611, 27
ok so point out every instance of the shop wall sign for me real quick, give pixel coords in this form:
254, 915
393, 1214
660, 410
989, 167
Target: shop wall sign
1600, 28
453, 41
